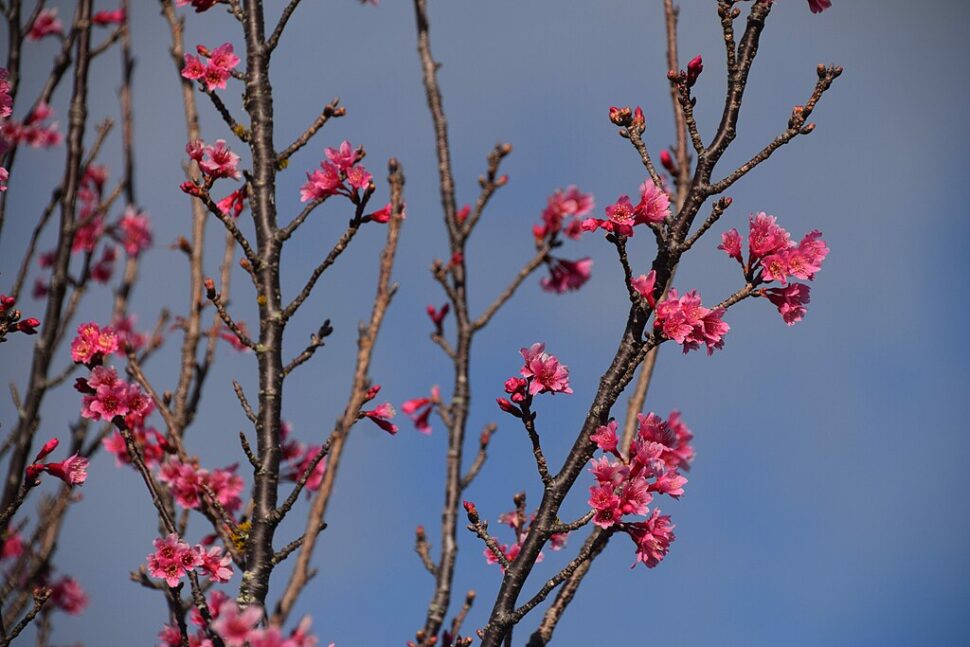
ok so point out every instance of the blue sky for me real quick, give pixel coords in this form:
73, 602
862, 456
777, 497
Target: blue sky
827, 501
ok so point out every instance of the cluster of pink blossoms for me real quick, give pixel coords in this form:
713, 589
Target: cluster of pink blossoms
72, 470
542, 373
222, 61
340, 174
35, 130
773, 256
622, 216
299, 456
105, 395
238, 627
173, 558
562, 215
134, 231
626, 486
151, 445
187, 482
684, 320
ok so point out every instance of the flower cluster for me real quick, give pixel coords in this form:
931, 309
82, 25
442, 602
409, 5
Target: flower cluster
108, 17
419, 410
106, 396
68, 596
774, 256
222, 61
188, 482
6, 109
622, 216
93, 343
339, 174
684, 320
562, 217
35, 130
173, 558
72, 470
541, 373
627, 485
298, 458
134, 232
238, 627
10, 319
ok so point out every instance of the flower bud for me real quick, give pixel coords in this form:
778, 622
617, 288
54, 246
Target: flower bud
210, 287
48, 447
667, 160
472, 511
639, 124
28, 326
694, 69
621, 116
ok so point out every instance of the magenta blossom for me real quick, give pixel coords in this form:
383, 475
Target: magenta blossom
548, 375
565, 276
684, 320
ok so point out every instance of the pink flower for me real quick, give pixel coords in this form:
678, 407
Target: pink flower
46, 24
818, 6
652, 538
322, 184
6, 102
654, 204
13, 546
316, 478
198, 5
224, 57
765, 236
381, 416
108, 17
644, 284
548, 375
419, 410
687, 322
124, 329
621, 216
233, 204
216, 599
694, 69
358, 177
566, 275
193, 69
731, 244
383, 215
68, 595
234, 626
215, 564
606, 504
73, 470
343, 157
605, 437
219, 161
136, 232
4, 175
790, 301
562, 213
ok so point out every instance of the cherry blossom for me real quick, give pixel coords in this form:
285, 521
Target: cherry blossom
135, 232
546, 373
46, 24
565, 275
684, 320
68, 596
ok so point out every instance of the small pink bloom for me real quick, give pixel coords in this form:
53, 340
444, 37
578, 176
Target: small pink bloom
234, 626
47, 23
233, 204
644, 284
621, 216
790, 301
358, 177
548, 375
224, 57
169, 560
565, 275
343, 157
13, 546
316, 478
109, 17
136, 232
765, 236
818, 6
73, 470
731, 244
654, 204
215, 564
606, 504
685, 321
68, 595
652, 538
381, 416
419, 410
382, 215
322, 184
605, 437
193, 69
219, 161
